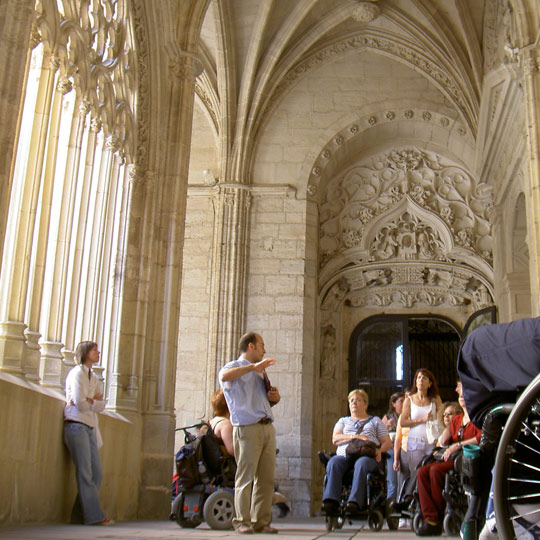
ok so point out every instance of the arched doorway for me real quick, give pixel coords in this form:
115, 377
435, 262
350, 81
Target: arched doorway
386, 350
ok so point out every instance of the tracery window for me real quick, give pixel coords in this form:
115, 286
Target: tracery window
61, 272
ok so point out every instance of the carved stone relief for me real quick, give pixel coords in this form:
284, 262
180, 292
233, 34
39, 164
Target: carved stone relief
450, 198
328, 353
406, 228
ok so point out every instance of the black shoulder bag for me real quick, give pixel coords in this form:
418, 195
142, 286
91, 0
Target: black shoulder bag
360, 448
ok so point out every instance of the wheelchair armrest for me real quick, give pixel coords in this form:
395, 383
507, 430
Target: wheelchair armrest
324, 457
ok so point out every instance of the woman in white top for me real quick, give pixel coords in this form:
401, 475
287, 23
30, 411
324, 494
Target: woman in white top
417, 410
84, 399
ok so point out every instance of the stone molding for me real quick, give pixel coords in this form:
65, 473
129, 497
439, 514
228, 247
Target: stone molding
359, 126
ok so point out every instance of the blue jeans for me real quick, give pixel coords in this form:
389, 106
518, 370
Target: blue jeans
81, 442
336, 469
391, 476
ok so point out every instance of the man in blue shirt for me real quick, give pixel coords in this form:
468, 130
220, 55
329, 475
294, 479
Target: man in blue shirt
249, 397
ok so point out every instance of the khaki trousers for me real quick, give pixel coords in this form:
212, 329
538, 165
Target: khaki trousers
255, 453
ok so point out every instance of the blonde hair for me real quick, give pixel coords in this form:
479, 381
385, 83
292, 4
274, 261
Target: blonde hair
361, 393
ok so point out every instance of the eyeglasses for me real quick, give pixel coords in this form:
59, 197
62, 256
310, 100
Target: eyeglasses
449, 414
460, 433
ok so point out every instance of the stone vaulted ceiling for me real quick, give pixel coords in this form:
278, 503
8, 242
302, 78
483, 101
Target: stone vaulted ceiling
254, 51
403, 219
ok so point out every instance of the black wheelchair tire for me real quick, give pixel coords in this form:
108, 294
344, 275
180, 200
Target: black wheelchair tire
452, 524
218, 510
527, 404
393, 522
375, 520
417, 522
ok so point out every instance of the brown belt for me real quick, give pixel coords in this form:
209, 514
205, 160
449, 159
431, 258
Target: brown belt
264, 420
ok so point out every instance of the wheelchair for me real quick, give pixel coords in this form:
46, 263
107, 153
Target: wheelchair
377, 507
516, 474
203, 487
408, 504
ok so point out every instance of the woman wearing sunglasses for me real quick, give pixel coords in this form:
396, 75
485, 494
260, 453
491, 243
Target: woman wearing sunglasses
430, 478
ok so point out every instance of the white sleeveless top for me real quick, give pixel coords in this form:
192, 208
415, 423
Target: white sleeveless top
419, 431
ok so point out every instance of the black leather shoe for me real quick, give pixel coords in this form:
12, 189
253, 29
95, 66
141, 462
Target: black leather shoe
353, 509
430, 530
330, 507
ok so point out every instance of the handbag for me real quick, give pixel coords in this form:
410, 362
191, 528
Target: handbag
360, 448
434, 428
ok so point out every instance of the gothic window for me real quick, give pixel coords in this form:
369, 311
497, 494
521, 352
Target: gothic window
70, 188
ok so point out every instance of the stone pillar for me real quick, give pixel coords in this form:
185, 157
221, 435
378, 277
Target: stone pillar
126, 373
52, 322
149, 313
531, 86
15, 28
229, 275
16, 271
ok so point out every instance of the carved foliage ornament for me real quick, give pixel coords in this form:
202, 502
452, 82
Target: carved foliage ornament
408, 287
444, 190
93, 43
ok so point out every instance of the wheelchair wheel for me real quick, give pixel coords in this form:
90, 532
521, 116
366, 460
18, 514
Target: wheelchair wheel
218, 510
392, 515
418, 521
340, 522
452, 524
516, 476
375, 520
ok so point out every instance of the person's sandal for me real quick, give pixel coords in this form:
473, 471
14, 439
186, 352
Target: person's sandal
107, 523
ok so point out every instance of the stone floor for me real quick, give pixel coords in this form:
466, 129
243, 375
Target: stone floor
289, 529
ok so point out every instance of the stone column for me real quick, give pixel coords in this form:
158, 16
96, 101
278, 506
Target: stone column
15, 278
51, 316
147, 344
531, 86
229, 275
15, 28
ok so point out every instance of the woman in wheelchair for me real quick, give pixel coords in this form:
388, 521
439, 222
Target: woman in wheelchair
431, 477
220, 422
359, 425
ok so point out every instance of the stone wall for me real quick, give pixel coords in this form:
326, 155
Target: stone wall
38, 480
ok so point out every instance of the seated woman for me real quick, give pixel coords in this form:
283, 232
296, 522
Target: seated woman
431, 477
356, 426
220, 422
451, 409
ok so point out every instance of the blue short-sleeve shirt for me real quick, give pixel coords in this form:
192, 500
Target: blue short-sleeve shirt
246, 396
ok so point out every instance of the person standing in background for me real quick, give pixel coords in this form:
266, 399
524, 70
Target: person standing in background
390, 420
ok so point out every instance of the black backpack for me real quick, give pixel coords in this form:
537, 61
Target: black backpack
199, 460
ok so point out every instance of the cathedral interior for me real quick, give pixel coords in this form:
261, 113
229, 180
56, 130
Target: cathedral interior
357, 181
